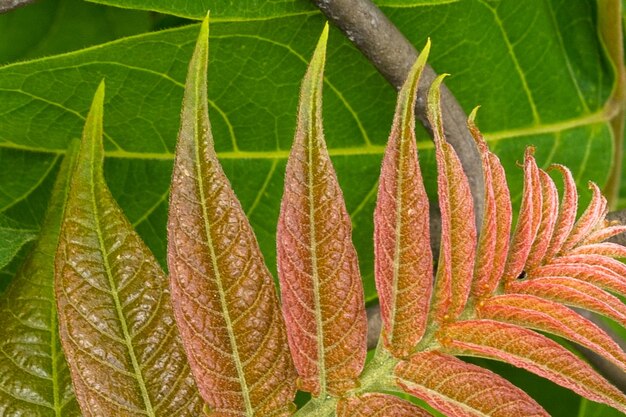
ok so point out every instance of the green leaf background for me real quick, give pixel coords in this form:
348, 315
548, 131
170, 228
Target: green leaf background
538, 70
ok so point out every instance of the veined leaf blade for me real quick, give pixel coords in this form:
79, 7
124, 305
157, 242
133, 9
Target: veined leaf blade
528, 222
567, 212
224, 297
321, 287
573, 292
34, 376
493, 243
549, 215
113, 301
536, 313
458, 235
403, 261
534, 352
460, 389
378, 405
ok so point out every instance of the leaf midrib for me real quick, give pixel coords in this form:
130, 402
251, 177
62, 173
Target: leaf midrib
209, 240
118, 307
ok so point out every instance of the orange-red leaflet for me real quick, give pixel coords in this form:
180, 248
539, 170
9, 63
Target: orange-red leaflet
224, 297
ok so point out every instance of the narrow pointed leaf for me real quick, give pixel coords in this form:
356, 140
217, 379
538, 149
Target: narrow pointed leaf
113, 301
592, 260
592, 215
34, 378
378, 405
567, 212
534, 352
224, 297
575, 293
539, 314
549, 215
321, 287
403, 262
604, 233
610, 249
593, 274
460, 389
493, 244
458, 231
528, 221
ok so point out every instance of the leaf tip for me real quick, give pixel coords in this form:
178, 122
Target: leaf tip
471, 119
434, 107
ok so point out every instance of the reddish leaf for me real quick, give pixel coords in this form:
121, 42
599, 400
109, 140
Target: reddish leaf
496, 221
528, 222
115, 319
591, 260
604, 233
321, 286
401, 229
529, 350
549, 215
573, 292
460, 389
596, 274
609, 249
223, 295
593, 214
458, 232
533, 312
378, 405
567, 212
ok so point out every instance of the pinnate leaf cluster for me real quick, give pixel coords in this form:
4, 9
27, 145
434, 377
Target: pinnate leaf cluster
214, 338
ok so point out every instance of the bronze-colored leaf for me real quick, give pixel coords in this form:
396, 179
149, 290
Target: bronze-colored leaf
458, 234
378, 405
224, 297
460, 389
403, 262
532, 351
321, 287
116, 324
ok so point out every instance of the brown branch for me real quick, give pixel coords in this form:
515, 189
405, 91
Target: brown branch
8, 5
393, 55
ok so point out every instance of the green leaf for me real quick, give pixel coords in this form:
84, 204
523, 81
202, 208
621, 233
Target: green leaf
256, 71
220, 9
57, 26
13, 236
224, 297
34, 378
115, 316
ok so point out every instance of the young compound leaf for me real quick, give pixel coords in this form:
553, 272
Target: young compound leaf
378, 405
401, 232
534, 352
34, 378
460, 389
458, 232
321, 286
493, 244
116, 324
224, 297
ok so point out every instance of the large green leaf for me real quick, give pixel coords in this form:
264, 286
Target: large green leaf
539, 74
221, 9
56, 26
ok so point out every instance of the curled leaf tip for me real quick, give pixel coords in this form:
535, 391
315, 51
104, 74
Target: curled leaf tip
472, 116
